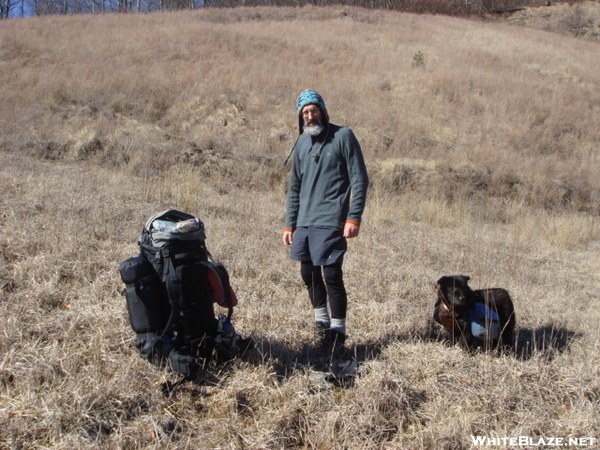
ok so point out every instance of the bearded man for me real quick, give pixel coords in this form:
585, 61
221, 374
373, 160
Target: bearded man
325, 202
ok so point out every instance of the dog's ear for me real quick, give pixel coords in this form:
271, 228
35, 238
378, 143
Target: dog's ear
442, 280
453, 278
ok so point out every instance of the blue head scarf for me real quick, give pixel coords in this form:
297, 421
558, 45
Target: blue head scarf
309, 97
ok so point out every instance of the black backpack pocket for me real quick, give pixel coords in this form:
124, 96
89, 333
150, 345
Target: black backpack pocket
146, 298
196, 302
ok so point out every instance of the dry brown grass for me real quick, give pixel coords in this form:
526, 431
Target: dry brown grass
483, 161
579, 19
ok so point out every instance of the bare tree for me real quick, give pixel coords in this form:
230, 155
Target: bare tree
5, 8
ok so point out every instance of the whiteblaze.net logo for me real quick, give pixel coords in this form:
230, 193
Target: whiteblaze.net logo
530, 442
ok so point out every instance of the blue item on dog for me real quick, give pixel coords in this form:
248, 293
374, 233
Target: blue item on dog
485, 322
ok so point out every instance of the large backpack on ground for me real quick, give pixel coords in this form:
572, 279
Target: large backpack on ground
170, 289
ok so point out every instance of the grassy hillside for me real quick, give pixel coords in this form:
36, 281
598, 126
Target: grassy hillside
481, 140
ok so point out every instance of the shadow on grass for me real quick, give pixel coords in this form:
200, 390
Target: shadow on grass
547, 341
335, 367
287, 362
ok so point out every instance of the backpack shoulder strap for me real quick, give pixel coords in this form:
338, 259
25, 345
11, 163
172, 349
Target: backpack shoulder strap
169, 280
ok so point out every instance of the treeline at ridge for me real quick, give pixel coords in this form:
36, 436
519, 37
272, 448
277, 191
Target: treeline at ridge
25, 8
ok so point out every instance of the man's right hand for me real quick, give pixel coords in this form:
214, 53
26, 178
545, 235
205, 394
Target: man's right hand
287, 238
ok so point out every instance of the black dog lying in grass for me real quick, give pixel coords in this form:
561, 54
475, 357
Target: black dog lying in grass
483, 318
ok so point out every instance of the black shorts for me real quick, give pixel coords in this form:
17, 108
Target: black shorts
323, 246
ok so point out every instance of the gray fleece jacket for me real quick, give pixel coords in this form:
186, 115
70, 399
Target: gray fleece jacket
328, 181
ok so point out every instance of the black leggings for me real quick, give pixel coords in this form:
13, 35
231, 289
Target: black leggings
322, 281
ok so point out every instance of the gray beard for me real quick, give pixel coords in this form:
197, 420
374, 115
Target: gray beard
314, 130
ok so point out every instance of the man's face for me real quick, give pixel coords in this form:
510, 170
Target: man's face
312, 116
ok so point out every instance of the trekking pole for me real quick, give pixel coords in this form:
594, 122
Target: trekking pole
285, 161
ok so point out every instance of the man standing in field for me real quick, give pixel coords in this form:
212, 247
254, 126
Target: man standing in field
325, 202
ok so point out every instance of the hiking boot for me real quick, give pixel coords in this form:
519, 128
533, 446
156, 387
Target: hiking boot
337, 341
322, 332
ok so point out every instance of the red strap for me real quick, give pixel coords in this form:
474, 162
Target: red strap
217, 290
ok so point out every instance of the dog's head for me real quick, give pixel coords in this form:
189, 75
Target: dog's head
454, 292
